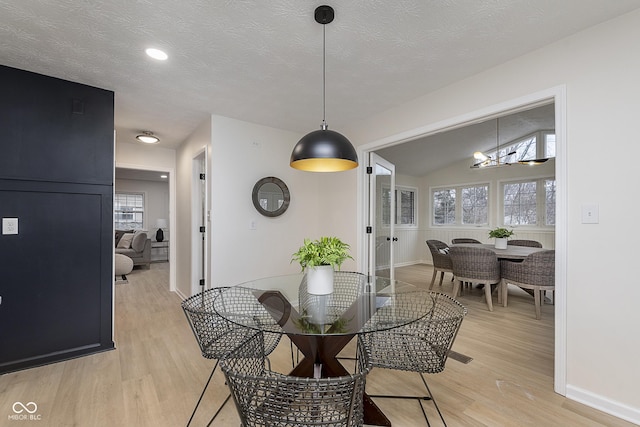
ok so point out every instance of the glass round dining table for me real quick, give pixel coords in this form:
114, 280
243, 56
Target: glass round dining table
322, 325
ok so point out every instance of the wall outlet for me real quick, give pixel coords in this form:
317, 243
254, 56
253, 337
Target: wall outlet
9, 225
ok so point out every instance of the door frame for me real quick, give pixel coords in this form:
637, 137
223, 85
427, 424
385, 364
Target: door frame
172, 212
557, 95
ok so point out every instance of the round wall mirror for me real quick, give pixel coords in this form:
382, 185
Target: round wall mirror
271, 196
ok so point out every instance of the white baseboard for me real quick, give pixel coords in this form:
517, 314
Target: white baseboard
180, 294
603, 404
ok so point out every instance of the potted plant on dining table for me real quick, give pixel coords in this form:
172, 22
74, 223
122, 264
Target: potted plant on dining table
320, 258
501, 235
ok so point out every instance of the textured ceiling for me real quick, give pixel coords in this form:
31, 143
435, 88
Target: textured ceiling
261, 61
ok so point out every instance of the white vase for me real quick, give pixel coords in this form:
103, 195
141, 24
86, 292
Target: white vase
320, 280
501, 243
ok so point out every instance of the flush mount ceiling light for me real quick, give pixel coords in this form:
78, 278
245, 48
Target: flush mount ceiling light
324, 150
147, 137
156, 54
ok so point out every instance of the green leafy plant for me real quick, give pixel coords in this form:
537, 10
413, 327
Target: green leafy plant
500, 233
324, 251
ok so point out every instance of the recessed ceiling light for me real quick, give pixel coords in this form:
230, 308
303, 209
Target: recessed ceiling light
147, 137
157, 54
163, 176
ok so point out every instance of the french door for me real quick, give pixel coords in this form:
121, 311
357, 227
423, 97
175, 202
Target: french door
381, 216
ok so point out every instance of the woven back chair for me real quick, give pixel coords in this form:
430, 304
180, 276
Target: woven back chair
528, 243
476, 266
215, 335
464, 240
422, 346
441, 260
265, 398
347, 287
536, 273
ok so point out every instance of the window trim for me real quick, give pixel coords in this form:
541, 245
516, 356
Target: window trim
540, 203
458, 205
416, 210
144, 208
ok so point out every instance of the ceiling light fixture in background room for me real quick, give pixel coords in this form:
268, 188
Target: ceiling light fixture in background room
148, 137
324, 150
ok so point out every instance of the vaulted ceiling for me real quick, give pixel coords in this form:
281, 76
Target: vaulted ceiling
261, 61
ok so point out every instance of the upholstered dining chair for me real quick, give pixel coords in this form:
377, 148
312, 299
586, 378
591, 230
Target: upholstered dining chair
464, 240
441, 260
422, 346
476, 266
536, 273
217, 336
522, 242
267, 398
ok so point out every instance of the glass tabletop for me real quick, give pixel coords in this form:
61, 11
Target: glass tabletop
358, 304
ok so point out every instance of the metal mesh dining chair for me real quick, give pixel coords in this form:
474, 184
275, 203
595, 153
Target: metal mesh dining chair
441, 260
265, 398
476, 266
422, 346
464, 240
523, 242
536, 273
215, 335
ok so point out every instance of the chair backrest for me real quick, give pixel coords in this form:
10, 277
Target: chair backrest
522, 242
441, 327
464, 240
538, 268
479, 264
421, 346
266, 398
347, 287
440, 254
215, 335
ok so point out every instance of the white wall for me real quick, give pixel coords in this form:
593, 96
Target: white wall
242, 153
600, 68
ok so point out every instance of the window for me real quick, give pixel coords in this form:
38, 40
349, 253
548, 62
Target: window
406, 206
520, 204
128, 211
474, 205
525, 205
527, 148
444, 207
471, 208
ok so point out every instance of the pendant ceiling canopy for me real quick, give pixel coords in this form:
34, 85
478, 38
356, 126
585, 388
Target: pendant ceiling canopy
324, 150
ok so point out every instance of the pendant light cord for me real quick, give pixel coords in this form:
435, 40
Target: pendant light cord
324, 85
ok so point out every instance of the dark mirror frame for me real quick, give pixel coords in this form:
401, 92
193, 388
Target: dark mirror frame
285, 192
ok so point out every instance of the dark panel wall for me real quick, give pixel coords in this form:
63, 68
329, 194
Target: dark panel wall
56, 177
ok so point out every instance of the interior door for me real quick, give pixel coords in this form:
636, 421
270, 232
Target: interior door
381, 219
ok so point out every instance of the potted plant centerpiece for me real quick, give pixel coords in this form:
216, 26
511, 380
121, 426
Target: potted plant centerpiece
501, 235
320, 258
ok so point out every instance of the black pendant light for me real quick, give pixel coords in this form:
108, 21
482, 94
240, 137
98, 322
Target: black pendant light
324, 150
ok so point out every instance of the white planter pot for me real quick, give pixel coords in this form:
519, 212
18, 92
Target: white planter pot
320, 280
501, 243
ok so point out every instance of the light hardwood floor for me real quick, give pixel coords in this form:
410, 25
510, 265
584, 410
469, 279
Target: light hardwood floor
155, 375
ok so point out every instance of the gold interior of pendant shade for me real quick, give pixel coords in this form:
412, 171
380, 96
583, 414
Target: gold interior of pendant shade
324, 165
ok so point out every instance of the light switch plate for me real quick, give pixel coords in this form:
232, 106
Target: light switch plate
9, 225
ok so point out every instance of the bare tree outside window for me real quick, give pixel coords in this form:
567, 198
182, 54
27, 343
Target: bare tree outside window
474, 205
550, 201
520, 203
444, 206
